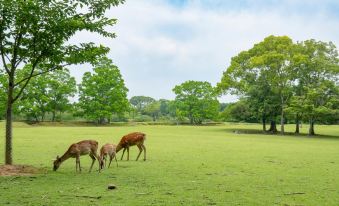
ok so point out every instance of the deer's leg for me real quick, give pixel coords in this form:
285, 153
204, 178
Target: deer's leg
143, 146
110, 160
115, 157
96, 157
140, 150
127, 153
93, 160
77, 165
123, 152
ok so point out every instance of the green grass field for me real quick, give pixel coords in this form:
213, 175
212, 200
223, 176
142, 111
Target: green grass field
187, 165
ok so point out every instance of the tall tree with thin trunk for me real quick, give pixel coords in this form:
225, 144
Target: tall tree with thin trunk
37, 33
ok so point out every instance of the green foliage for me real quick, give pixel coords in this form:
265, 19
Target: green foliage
196, 101
103, 93
153, 110
48, 93
238, 112
316, 93
279, 76
141, 102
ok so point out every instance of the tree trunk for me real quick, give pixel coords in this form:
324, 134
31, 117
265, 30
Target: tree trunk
297, 124
311, 130
9, 116
53, 116
273, 127
282, 123
264, 122
191, 119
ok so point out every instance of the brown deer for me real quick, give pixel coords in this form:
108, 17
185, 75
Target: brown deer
107, 149
76, 150
136, 138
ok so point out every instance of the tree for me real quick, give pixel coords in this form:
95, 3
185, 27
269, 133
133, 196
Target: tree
36, 33
48, 93
196, 100
141, 102
164, 107
238, 111
62, 87
103, 93
153, 109
316, 90
35, 99
266, 69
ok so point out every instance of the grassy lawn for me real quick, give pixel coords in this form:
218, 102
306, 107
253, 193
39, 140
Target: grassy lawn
187, 165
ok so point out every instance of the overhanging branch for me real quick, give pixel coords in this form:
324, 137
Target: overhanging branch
27, 79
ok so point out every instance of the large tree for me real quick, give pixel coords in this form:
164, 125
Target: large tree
196, 100
266, 69
316, 86
37, 33
103, 93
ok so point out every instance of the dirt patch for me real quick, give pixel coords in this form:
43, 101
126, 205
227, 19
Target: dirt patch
18, 170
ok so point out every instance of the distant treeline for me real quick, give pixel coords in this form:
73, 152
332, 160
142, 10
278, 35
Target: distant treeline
275, 80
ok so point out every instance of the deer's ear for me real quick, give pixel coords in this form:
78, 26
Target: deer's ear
57, 157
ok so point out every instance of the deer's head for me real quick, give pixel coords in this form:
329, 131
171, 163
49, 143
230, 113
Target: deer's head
56, 163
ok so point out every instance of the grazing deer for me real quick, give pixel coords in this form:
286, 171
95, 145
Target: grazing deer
107, 149
136, 138
76, 150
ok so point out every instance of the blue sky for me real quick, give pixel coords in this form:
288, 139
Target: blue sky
162, 43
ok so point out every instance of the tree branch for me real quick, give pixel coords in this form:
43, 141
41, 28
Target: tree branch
27, 79
3, 58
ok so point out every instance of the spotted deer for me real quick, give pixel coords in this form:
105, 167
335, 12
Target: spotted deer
135, 138
110, 150
76, 150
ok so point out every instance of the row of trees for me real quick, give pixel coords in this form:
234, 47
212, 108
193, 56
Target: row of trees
102, 95
278, 77
275, 79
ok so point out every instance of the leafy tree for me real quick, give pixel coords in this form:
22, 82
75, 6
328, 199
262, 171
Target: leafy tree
103, 93
48, 93
264, 69
316, 89
196, 100
37, 33
62, 86
164, 107
141, 102
223, 106
34, 101
153, 109
238, 111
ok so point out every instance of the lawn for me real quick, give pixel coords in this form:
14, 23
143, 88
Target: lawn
186, 165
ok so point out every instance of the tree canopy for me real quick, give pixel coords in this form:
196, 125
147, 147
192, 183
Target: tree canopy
196, 100
277, 74
103, 93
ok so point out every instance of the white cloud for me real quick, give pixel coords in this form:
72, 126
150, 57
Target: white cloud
159, 46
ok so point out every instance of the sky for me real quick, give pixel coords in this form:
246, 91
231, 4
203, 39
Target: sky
163, 43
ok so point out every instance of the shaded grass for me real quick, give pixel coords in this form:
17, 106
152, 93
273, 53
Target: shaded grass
186, 165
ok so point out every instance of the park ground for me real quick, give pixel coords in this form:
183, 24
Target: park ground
230, 164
